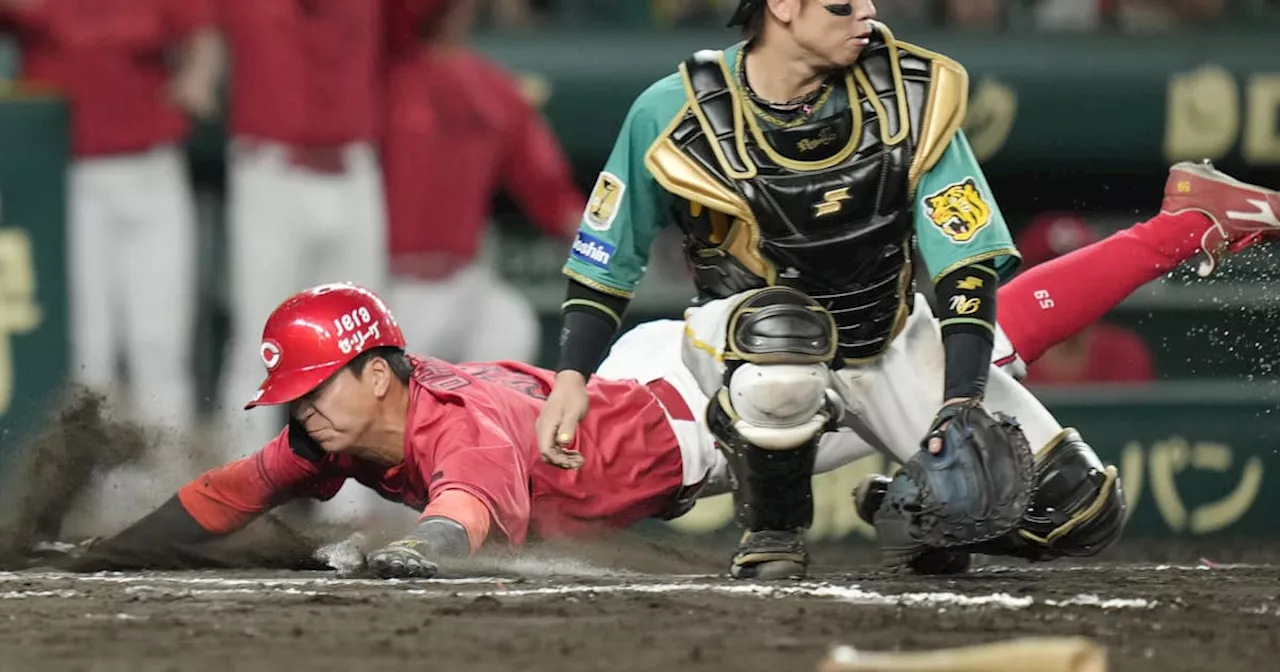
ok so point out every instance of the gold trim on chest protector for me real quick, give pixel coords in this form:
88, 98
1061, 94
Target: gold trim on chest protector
739, 139
946, 103
855, 136
678, 174
899, 91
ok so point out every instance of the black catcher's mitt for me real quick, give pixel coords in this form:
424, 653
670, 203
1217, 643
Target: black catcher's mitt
976, 489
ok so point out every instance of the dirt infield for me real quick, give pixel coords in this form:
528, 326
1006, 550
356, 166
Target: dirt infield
628, 604
566, 614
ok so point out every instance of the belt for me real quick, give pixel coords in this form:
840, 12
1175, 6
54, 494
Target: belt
329, 160
325, 159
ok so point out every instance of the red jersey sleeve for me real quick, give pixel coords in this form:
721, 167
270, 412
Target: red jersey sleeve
229, 497
474, 455
183, 17
536, 172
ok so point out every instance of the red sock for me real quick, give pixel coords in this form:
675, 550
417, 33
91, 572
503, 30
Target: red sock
1053, 301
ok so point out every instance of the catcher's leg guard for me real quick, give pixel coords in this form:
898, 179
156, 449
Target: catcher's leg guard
773, 500
1078, 508
766, 420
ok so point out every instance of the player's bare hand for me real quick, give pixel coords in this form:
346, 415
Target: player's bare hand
558, 423
402, 560
933, 442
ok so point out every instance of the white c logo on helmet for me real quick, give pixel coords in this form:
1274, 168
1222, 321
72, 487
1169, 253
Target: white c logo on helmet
270, 354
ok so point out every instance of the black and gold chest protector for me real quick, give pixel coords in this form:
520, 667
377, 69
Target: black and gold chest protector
825, 206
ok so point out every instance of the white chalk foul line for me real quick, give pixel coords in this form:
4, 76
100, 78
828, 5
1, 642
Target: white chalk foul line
206, 586
182, 579
852, 594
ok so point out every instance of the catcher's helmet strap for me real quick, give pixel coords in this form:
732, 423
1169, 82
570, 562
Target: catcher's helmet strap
746, 9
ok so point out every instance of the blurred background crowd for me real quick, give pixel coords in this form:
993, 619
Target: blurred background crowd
207, 158
1053, 15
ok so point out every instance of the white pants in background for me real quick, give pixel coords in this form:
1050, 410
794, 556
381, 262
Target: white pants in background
132, 273
470, 316
290, 228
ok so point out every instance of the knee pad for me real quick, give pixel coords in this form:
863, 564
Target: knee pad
778, 406
1078, 509
781, 325
781, 345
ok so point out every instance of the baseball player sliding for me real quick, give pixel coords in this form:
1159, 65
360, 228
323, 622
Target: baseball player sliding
456, 442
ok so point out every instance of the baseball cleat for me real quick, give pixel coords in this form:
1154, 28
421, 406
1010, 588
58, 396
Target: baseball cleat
770, 555
1242, 214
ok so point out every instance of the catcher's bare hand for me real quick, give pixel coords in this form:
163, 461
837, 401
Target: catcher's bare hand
402, 560
558, 423
934, 440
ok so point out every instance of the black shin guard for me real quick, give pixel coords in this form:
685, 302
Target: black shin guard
774, 488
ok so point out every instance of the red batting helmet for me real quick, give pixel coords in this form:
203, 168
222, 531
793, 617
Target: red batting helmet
316, 332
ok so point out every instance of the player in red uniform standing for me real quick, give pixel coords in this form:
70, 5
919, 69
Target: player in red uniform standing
305, 188
131, 233
458, 130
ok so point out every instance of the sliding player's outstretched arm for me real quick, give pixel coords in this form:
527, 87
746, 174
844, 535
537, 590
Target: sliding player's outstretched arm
215, 504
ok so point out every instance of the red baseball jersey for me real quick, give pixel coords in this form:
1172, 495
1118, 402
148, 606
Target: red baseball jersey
305, 72
458, 130
471, 428
108, 58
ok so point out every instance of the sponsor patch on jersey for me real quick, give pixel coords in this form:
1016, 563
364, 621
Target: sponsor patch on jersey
605, 201
592, 250
958, 210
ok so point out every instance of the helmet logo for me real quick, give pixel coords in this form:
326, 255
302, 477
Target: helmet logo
270, 354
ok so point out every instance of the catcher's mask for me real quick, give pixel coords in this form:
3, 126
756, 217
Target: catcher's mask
316, 332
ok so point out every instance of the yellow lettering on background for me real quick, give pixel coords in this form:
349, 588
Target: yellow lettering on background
1203, 114
1173, 456
1261, 144
19, 313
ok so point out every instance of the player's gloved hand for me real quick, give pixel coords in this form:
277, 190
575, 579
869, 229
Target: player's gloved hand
566, 406
404, 559
933, 439
415, 556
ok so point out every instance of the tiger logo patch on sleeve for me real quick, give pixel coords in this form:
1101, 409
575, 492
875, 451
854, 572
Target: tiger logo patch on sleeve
958, 210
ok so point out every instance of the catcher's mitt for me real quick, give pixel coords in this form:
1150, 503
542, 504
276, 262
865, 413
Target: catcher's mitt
976, 489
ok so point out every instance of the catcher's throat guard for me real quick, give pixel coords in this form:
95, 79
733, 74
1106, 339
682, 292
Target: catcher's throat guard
975, 490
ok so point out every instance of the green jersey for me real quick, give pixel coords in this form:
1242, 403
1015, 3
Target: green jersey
956, 219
